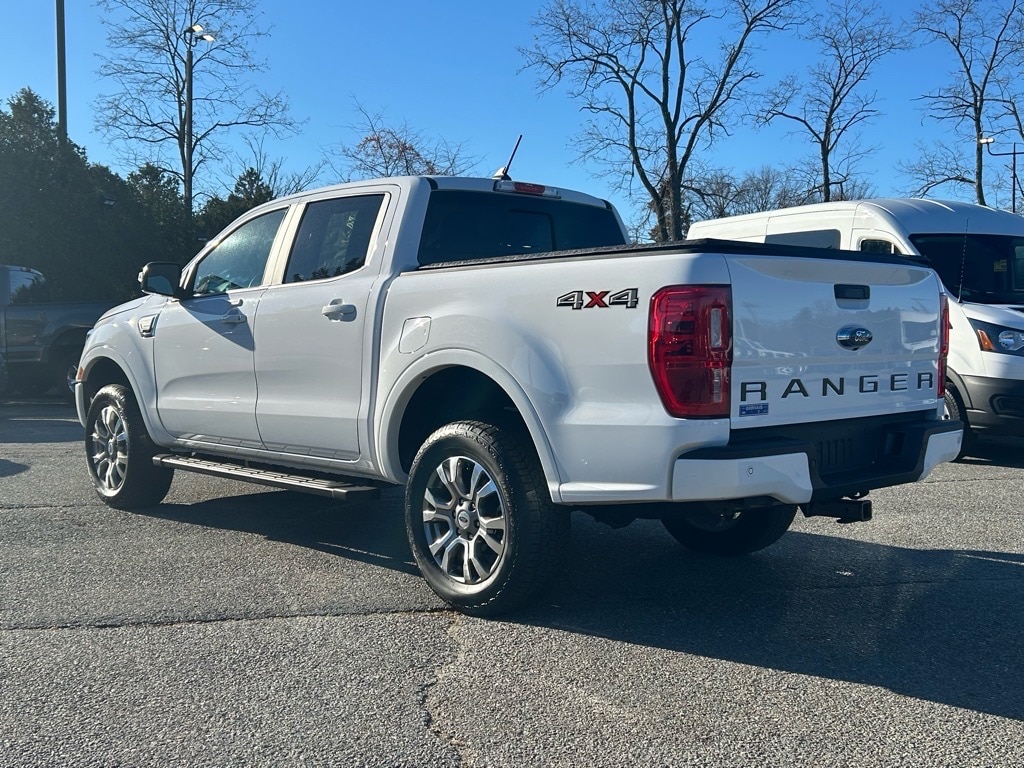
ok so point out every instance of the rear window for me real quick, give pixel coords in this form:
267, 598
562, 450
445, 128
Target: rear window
463, 225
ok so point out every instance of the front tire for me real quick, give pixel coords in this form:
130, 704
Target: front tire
120, 452
730, 533
952, 408
64, 371
480, 523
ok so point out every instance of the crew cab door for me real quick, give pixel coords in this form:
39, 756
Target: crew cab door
203, 345
311, 331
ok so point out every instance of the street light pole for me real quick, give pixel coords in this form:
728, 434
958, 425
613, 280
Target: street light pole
987, 141
191, 35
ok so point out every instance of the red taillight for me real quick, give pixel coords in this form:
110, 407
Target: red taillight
943, 341
690, 349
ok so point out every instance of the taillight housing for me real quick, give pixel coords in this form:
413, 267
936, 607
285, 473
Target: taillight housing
690, 349
943, 341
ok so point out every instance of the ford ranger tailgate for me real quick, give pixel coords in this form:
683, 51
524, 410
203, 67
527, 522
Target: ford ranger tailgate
819, 339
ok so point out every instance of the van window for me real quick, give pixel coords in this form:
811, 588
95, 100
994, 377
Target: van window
869, 245
988, 269
462, 225
814, 238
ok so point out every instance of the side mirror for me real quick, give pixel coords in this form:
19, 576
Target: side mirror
162, 277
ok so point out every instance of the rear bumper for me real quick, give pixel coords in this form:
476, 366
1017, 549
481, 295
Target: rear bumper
826, 461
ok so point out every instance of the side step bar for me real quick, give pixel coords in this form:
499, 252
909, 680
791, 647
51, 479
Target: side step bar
335, 489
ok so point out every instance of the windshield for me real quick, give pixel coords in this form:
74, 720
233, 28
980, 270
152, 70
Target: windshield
988, 269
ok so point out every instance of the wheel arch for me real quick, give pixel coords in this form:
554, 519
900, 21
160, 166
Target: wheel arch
69, 339
455, 386
956, 382
108, 368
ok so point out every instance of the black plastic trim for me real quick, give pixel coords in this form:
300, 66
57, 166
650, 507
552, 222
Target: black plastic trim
706, 245
891, 451
991, 404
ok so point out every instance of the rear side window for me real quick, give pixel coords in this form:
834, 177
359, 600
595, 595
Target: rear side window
462, 225
333, 238
25, 286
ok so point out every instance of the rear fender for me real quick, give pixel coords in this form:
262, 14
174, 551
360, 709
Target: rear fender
391, 409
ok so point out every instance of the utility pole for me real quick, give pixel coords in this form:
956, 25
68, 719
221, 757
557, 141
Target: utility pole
62, 77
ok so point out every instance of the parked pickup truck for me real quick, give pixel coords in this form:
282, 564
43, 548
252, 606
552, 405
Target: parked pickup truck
40, 343
498, 348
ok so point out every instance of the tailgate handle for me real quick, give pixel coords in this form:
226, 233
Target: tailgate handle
859, 292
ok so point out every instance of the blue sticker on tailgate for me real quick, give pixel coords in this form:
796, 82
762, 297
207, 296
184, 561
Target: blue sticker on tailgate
757, 409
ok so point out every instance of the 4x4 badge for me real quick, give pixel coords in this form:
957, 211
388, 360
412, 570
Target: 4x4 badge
628, 298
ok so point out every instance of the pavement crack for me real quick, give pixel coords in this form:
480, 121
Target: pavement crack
200, 621
431, 702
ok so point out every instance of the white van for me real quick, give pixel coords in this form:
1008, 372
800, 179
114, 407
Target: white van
978, 253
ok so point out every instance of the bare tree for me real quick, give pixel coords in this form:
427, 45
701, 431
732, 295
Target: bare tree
272, 170
386, 149
714, 193
831, 102
711, 194
656, 79
985, 40
182, 71
769, 188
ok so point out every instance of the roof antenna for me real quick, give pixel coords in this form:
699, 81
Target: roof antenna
502, 173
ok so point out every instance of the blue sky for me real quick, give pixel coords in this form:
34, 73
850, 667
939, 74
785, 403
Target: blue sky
451, 69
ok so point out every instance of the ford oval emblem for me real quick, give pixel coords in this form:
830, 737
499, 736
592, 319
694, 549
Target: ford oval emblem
853, 337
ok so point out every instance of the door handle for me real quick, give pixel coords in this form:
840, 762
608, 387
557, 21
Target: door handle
233, 318
337, 309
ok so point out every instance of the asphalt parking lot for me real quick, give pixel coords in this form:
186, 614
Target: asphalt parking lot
232, 625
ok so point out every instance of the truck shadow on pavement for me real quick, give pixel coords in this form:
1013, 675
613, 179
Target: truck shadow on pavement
997, 451
24, 425
11, 468
938, 625
371, 532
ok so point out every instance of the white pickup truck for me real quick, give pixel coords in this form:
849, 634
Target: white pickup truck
498, 348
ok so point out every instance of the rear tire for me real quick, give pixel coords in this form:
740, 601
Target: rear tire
729, 534
120, 452
481, 525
